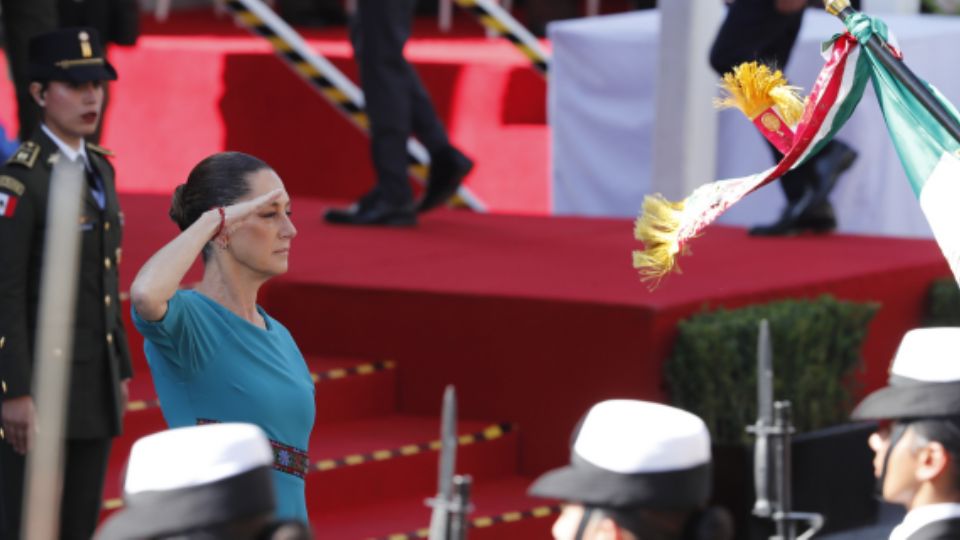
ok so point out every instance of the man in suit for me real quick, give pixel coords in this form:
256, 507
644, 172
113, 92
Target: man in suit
398, 106
67, 69
765, 31
917, 444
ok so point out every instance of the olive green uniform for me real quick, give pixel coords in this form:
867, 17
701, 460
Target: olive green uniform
101, 357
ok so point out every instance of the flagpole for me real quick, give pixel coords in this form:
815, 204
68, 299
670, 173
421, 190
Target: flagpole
842, 9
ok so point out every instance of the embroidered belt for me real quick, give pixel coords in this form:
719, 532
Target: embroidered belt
286, 458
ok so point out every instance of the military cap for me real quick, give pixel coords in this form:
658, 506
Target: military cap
72, 54
194, 477
629, 454
924, 379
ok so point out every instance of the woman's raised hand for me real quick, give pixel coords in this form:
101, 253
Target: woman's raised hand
236, 214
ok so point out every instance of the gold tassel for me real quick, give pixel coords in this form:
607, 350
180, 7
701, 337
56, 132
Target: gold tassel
754, 88
658, 228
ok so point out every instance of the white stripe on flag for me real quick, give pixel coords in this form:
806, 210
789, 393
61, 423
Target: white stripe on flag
939, 199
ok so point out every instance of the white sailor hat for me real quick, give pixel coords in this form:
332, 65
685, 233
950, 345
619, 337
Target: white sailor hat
924, 379
193, 477
630, 453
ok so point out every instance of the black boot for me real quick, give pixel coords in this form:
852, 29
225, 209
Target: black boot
448, 168
818, 219
832, 161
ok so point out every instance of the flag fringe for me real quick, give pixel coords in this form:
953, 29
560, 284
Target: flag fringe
658, 228
753, 88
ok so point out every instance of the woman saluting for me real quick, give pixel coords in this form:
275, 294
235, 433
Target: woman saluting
215, 355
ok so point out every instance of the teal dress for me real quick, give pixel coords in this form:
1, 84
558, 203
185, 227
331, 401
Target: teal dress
210, 365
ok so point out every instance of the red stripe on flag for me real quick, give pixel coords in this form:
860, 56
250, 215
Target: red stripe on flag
822, 97
9, 204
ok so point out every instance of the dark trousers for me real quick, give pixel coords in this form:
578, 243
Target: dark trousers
755, 30
21, 21
85, 466
396, 102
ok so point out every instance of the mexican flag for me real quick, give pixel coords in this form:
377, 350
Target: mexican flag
930, 155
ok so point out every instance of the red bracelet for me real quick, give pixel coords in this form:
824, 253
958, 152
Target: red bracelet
223, 221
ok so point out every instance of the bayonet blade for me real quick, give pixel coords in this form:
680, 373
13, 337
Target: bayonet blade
765, 375
448, 445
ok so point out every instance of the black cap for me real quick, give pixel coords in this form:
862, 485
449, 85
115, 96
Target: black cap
72, 54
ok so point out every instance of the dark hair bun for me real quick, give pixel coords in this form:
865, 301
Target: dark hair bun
176, 206
219, 180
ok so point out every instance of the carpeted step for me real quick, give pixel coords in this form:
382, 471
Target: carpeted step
361, 461
501, 509
396, 456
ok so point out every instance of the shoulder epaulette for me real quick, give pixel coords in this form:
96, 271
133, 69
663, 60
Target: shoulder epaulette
99, 149
12, 185
25, 155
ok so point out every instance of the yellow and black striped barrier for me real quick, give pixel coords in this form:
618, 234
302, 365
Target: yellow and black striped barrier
491, 433
362, 369
485, 521
325, 78
498, 20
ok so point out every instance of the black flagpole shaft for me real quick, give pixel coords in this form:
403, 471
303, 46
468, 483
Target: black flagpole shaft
898, 69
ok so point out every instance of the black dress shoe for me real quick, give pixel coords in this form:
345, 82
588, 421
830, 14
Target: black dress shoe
818, 220
373, 211
448, 167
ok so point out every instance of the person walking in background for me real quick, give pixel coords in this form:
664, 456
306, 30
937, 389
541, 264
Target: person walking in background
215, 355
67, 70
765, 31
638, 470
398, 106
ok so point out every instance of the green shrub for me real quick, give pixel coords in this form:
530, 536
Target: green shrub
943, 304
816, 346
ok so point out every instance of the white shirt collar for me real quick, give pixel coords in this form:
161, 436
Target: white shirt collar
65, 149
924, 515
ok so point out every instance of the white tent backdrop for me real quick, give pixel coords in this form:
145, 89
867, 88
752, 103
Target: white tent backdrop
601, 111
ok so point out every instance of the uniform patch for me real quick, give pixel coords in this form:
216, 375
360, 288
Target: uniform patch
10, 183
8, 205
26, 154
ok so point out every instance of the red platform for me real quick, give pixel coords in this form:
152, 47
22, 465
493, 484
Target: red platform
536, 318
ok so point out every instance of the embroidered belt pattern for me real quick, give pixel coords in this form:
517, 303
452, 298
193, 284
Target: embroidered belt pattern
286, 458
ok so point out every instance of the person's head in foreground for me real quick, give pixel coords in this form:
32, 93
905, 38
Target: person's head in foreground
638, 471
258, 246
917, 442
203, 482
68, 70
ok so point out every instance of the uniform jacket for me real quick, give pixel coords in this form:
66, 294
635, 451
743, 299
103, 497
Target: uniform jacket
101, 356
